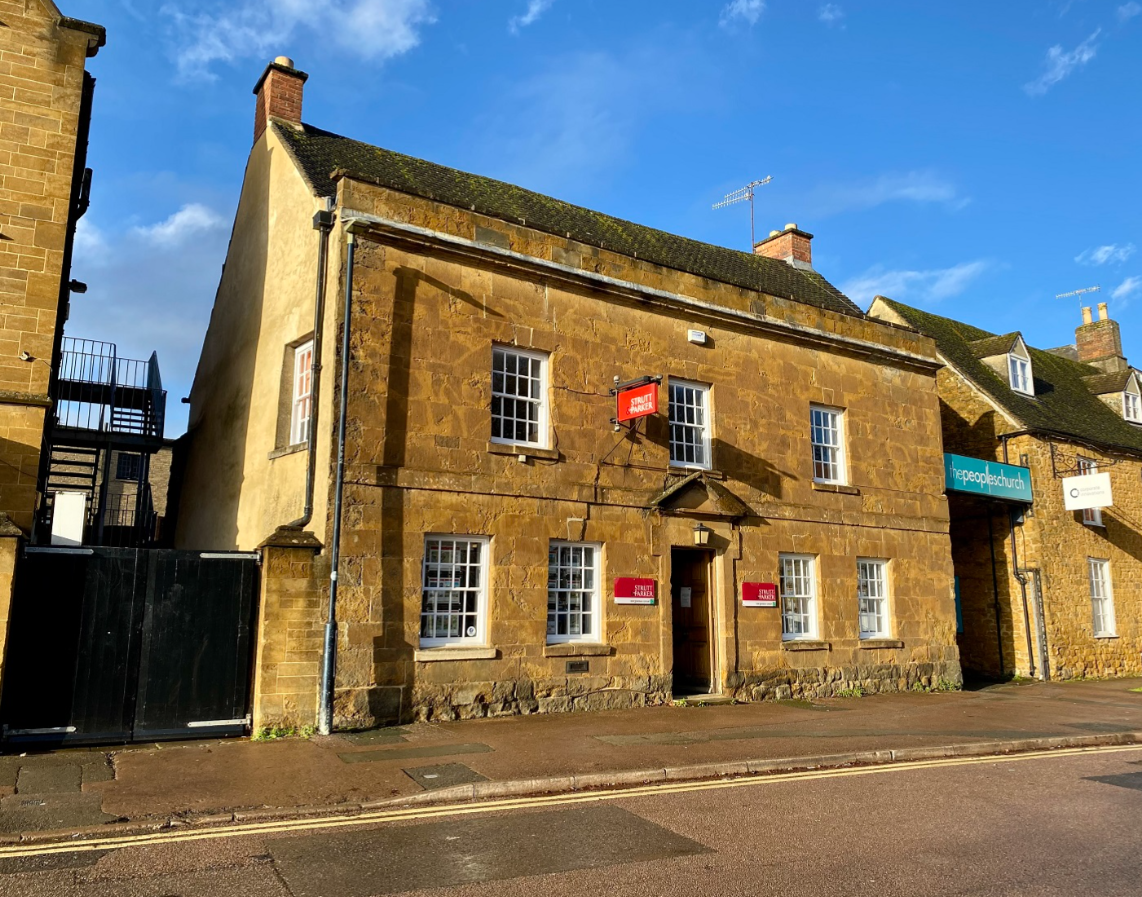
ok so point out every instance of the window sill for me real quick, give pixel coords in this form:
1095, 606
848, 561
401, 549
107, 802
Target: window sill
530, 451
577, 649
835, 487
288, 450
433, 655
804, 644
677, 470
1107, 636
871, 644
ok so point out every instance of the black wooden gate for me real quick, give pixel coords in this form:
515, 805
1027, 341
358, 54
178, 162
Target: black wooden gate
121, 644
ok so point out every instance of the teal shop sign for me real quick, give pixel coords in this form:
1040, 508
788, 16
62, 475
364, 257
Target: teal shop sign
988, 478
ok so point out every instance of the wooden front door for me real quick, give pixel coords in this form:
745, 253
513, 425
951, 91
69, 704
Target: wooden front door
693, 622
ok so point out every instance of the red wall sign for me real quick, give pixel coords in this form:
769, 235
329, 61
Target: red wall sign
759, 594
634, 591
638, 402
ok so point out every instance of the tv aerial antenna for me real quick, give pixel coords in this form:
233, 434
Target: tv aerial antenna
742, 195
1078, 293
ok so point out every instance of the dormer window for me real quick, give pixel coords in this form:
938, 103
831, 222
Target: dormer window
1132, 405
1019, 369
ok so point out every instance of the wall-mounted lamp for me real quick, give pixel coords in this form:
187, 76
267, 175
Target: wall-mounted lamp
701, 534
77, 286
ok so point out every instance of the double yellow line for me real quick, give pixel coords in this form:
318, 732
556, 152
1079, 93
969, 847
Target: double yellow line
294, 826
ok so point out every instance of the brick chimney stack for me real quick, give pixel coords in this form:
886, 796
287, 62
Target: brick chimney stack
792, 246
1099, 342
279, 93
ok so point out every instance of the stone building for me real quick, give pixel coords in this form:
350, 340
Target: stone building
777, 527
44, 123
1044, 591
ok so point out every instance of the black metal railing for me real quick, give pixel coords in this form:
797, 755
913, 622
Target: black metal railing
99, 391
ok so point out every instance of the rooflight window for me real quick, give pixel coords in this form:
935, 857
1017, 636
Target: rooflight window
1019, 370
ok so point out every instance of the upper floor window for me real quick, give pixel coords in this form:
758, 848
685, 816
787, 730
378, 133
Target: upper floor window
1091, 516
689, 424
827, 435
302, 393
1101, 597
454, 591
1132, 406
1019, 369
572, 592
519, 397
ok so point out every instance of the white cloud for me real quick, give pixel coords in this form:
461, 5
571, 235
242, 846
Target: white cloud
188, 221
89, 240
1128, 11
228, 32
1102, 255
910, 186
746, 10
535, 9
916, 286
1128, 289
1059, 65
830, 14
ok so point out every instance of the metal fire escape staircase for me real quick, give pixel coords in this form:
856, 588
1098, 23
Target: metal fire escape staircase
104, 404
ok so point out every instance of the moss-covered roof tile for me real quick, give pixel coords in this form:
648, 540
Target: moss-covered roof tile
320, 153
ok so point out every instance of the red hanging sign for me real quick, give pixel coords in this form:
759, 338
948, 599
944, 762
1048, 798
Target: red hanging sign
629, 590
641, 401
759, 594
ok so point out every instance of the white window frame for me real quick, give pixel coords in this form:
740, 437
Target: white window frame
566, 588
1091, 516
873, 605
1131, 406
301, 406
1019, 373
690, 425
798, 605
478, 616
1101, 598
834, 471
539, 402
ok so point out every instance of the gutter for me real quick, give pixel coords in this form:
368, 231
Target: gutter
408, 233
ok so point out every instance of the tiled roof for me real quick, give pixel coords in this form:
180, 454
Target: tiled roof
320, 153
1063, 403
994, 345
1101, 384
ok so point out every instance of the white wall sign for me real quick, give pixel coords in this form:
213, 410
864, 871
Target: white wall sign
1090, 491
68, 516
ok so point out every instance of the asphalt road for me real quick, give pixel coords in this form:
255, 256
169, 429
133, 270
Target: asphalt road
1055, 825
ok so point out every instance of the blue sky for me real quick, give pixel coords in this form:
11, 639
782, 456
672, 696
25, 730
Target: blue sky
975, 159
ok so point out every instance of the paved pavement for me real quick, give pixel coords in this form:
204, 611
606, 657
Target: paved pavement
203, 783
1056, 823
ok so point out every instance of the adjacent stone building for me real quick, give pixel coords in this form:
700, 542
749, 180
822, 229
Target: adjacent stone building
44, 117
1044, 591
773, 525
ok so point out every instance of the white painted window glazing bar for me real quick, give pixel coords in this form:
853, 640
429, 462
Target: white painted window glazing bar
1101, 597
1091, 516
689, 424
798, 597
519, 397
872, 596
827, 438
572, 592
454, 591
1020, 369
1132, 406
302, 393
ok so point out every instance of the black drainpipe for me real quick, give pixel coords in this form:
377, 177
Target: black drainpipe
322, 221
329, 661
1020, 577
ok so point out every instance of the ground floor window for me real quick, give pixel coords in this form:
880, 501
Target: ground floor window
572, 592
872, 596
454, 591
1101, 596
798, 597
